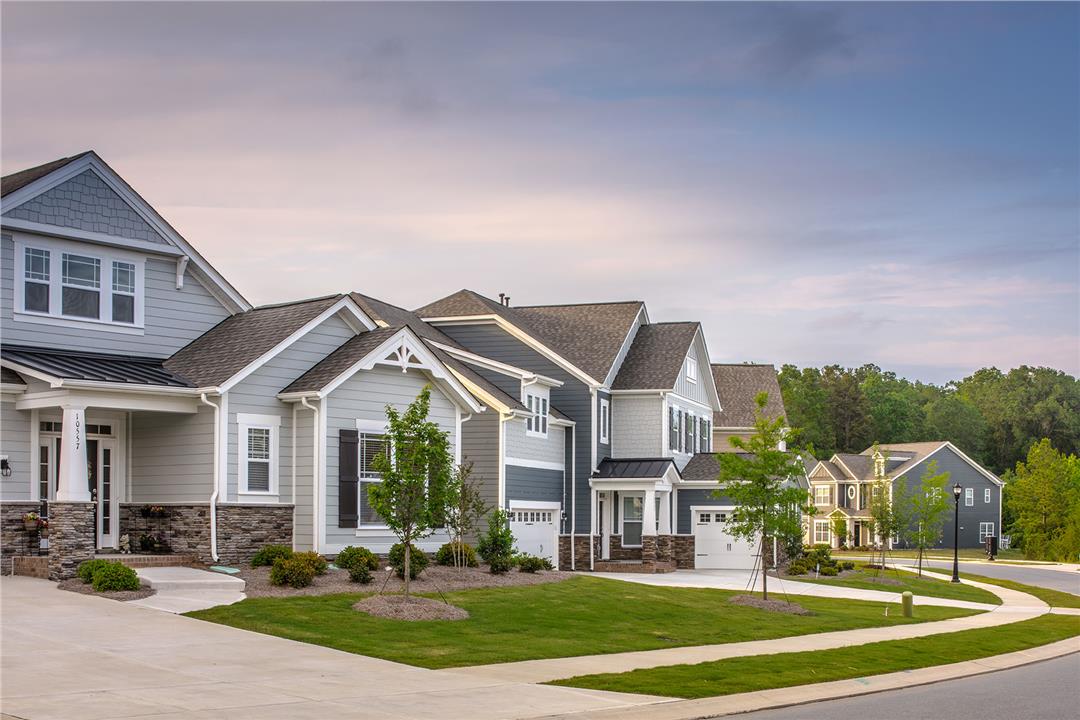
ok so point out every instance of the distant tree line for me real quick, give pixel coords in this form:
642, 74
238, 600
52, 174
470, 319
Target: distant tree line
994, 417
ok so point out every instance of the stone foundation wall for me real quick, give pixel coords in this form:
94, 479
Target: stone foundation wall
581, 550
72, 537
683, 550
14, 539
618, 552
31, 566
241, 529
244, 529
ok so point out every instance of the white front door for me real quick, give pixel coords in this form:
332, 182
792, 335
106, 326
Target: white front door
715, 548
535, 531
101, 469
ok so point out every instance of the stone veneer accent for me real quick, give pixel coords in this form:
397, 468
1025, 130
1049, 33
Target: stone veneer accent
13, 534
581, 543
31, 566
684, 549
618, 552
241, 529
72, 537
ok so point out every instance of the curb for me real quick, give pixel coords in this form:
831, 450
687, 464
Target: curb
854, 687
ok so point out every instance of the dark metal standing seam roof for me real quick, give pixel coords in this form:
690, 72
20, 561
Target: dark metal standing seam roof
73, 365
634, 468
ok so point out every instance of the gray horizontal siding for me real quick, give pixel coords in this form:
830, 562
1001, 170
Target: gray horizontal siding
573, 398
15, 443
85, 202
530, 447
365, 396
257, 394
480, 446
524, 483
306, 437
172, 457
172, 318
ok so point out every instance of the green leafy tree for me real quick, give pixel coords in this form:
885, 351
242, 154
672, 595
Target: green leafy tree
1044, 497
465, 508
887, 508
951, 417
416, 475
848, 410
926, 509
756, 481
807, 406
839, 528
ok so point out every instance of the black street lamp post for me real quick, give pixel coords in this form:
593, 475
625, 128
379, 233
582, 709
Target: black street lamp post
956, 490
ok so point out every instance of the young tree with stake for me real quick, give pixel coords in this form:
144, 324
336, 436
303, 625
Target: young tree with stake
416, 474
926, 509
757, 484
465, 508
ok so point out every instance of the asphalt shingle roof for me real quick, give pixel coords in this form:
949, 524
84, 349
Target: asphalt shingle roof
704, 467
228, 347
737, 386
97, 367
588, 335
634, 468
656, 356
17, 180
340, 360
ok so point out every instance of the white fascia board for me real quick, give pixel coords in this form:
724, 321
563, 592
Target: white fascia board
658, 392
631, 334
93, 237
500, 367
683, 400
703, 349
488, 399
117, 184
12, 388
524, 337
558, 421
344, 304
112, 400
53, 380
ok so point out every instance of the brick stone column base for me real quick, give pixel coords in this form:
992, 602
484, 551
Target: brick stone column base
72, 537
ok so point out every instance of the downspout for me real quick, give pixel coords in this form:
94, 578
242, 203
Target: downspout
217, 476
573, 505
314, 472
292, 455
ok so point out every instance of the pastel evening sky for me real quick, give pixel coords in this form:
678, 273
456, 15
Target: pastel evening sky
816, 183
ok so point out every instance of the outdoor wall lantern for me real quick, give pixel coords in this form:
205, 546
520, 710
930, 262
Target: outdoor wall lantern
5, 466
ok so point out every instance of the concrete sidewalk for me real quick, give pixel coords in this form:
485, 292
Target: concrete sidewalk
184, 589
68, 655
1016, 606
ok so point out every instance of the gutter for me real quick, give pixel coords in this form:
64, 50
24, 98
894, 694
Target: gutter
217, 476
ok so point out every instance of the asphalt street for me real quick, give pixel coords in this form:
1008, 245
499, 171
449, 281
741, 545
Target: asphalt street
1029, 574
1042, 691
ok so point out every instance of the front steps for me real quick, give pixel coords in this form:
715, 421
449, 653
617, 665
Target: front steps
632, 566
183, 589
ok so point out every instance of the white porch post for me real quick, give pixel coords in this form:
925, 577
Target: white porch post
665, 513
72, 483
648, 518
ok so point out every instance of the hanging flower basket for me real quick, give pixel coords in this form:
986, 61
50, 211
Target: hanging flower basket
30, 521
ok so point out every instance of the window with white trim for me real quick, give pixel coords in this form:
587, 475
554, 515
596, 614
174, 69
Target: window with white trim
821, 494
969, 497
691, 370
605, 421
537, 423
369, 446
79, 282
676, 433
257, 461
822, 533
986, 529
986, 495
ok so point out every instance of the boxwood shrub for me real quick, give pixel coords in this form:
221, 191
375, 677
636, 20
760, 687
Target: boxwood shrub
114, 576
294, 572
317, 562
351, 557
445, 555
418, 561
87, 569
269, 553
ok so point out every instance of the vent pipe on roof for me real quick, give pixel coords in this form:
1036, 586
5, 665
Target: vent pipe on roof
504, 299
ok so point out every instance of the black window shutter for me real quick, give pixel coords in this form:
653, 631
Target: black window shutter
348, 477
673, 434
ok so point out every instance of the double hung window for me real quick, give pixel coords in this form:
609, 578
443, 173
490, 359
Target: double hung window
537, 423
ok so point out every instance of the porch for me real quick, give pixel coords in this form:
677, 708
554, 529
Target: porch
633, 517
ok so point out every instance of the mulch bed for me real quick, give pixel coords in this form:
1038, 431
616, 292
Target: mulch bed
435, 578
77, 585
771, 605
399, 607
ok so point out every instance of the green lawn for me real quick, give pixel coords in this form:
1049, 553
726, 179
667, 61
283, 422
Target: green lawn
581, 616
1053, 598
761, 672
932, 587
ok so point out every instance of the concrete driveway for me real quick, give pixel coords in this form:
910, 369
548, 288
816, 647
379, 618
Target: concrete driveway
740, 580
66, 655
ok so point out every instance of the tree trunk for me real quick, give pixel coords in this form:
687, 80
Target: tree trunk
408, 548
764, 574
920, 560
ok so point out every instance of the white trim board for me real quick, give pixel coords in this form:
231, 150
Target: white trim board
535, 464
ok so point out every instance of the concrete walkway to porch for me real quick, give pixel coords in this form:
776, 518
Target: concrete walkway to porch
1016, 606
184, 589
68, 655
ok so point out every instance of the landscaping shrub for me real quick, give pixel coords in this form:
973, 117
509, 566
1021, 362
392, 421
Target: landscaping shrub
847, 565
88, 568
418, 561
497, 544
532, 564
354, 557
360, 573
315, 560
294, 572
113, 576
828, 570
465, 552
269, 553
797, 567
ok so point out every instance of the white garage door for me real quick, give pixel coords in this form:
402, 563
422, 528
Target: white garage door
535, 532
714, 548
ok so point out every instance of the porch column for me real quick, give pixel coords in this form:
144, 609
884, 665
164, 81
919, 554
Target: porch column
665, 514
648, 518
72, 484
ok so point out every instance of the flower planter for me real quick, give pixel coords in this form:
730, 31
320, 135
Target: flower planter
30, 525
